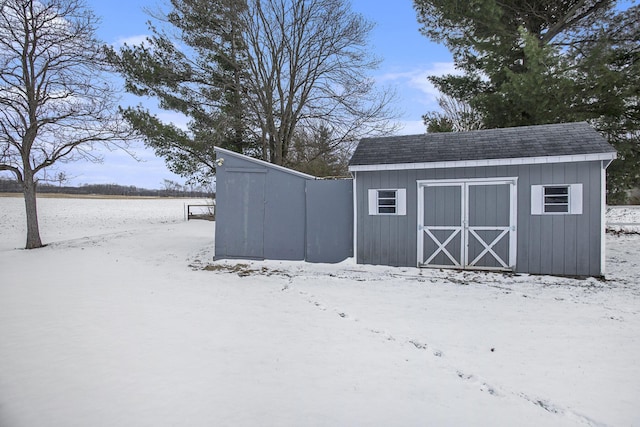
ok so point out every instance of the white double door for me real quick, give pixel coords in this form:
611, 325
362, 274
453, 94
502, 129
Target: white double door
467, 223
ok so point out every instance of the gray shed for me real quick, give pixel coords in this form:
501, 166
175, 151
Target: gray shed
526, 199
265, 211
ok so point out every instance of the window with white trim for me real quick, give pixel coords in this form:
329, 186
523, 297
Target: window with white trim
565, 199
390, 201
556, 199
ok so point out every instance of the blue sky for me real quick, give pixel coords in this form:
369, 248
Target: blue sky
408, 58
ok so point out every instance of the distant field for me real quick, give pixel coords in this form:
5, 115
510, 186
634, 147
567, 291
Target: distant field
88, 196
72, 216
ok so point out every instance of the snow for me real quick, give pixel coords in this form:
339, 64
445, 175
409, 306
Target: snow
623, 218
124, 319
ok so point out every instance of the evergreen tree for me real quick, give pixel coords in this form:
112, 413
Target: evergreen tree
543, 61
608, 85
251, 75
200, 75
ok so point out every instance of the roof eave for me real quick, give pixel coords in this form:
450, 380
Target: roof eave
263, 163
487, 162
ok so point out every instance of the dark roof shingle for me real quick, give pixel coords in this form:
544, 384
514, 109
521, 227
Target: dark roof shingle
525, 141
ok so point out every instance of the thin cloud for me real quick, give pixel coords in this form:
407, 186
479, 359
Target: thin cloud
131, 40
416, 95
417, 78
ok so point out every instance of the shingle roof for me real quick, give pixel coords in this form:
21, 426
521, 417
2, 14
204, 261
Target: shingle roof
517, 142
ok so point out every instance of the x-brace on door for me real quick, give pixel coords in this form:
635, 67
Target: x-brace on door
467, 223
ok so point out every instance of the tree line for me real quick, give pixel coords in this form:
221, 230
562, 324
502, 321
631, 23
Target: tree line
170, 189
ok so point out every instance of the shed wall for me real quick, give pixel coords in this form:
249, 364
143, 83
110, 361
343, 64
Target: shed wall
269, 212
240, 206
260, 212
546, 244
329, 220
284, 218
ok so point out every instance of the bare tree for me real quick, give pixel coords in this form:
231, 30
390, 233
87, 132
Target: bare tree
313, 153
56, 102
456, 116
308, 62
251, 75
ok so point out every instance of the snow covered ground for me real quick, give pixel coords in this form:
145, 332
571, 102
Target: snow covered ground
124, 320
623, 218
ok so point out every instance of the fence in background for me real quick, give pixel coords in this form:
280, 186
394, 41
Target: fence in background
207, 212
629, 221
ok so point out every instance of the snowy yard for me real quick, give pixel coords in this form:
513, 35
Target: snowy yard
124, 320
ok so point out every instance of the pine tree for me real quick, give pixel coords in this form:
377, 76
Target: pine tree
543, 61
251, 75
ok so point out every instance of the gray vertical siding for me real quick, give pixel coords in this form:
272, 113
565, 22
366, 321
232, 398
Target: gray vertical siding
546, 244
329, 220
284, 219
395, 231
260, 212
266, 212
245, 210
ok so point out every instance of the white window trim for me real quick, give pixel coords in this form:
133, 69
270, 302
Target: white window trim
574, 196
401, 201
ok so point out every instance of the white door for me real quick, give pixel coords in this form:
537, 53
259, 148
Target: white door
467, 223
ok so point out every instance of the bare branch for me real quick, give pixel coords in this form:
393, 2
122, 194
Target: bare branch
55, 97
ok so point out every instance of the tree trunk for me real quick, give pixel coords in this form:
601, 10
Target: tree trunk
33, 231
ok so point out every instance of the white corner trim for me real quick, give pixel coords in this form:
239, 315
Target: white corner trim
263, 163
513, 220
603, 214
355, 217
486, 162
